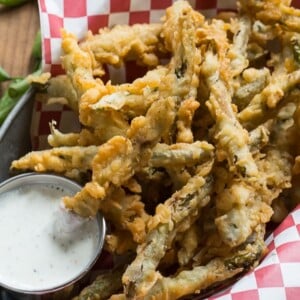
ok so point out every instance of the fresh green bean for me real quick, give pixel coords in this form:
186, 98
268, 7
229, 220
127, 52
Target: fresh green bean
6, 104
37, 46
18, 86
13, 93
13, 2
3, 75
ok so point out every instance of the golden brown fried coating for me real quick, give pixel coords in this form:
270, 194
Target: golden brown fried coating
68, 158
185, 118
259, 137
272, 12
141, 275
85, 137
191, 281
139, 42
255, 80
248, 204
79, 67
126, 212
188, 245
270, 96
60, 87
133, 99
57, 138
58, 160
105, 284
180, 154
120, 156
232, 139
178, 32
237, 52
214, 131
78, 64
113, 158
120, 242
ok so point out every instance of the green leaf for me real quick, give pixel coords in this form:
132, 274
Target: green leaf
37, 46
3, 75
19, 86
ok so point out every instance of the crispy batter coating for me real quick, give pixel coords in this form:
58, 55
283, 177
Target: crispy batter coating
272, 12
180, 154
269, 97
61, 87
191, 281
133, 99
141, 275
104, 285
67, 158
140, 42
237, 52
58, 160
254, 198
116, 161
255, 81
232, 139
189, 162
126, 212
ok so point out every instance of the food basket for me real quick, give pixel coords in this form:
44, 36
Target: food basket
276, 276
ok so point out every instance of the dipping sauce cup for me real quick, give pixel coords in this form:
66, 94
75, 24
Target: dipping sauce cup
35, 258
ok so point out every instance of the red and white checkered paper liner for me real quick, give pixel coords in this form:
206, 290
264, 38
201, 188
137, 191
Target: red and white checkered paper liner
278, 275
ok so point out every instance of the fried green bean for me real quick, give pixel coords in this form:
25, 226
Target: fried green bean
238, 50
145, 131
232, 139
244, 94
193, 281
141, 274
244, 205
268, 99
103, 286
180, 154
273, 12
58, 160
65, 159
114, 45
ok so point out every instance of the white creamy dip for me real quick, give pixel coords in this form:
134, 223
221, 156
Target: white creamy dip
32, 257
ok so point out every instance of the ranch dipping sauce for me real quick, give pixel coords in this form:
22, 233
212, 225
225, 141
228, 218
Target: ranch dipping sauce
34, 256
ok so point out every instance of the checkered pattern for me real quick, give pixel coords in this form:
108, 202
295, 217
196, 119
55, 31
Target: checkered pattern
277, 277
80, 15
43, 115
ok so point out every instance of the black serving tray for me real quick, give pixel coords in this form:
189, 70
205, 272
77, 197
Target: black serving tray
15, 138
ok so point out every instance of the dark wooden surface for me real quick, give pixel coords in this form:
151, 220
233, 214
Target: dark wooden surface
18, 27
